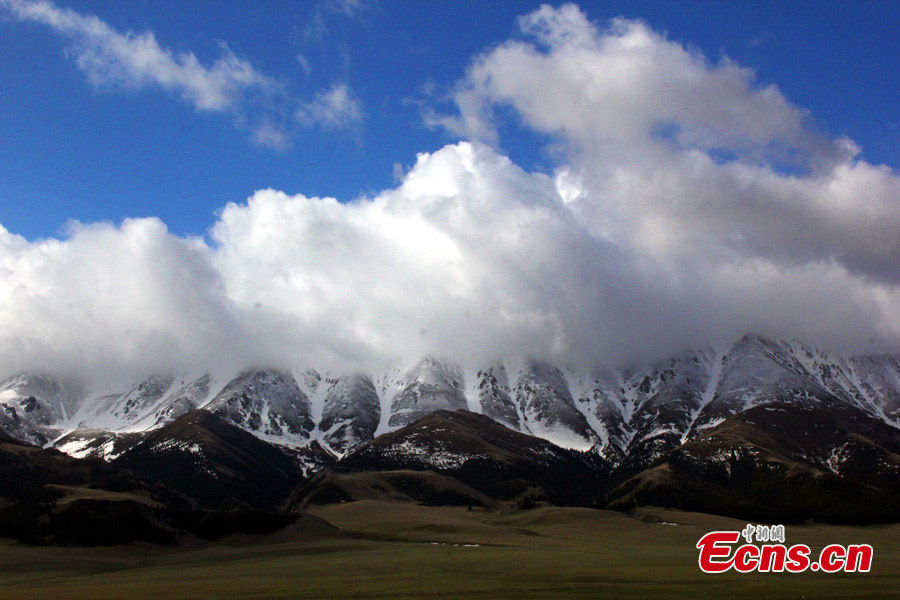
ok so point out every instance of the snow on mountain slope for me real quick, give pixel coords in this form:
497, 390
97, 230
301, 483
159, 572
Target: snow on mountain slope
788, 461
758, 371
96, 443
185, 395
535, 397
544, 401
351, 413
494, 397
669, 399
35, 408
876, 380
153, 402
115, 411
599, 395
429, 386
267, 403
649, 410
871, 382
669, 394
633, 415
387, 386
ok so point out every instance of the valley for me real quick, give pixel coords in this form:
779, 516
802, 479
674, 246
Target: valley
398, 550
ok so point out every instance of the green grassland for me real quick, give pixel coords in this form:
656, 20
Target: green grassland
393, 550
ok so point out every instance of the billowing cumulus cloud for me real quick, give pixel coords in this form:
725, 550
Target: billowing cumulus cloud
108, 298
690, 205
681, 158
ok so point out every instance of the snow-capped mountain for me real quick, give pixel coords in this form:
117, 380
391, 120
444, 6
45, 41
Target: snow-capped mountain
645, 411
429, 386
35, 408
267, 403
534, 397
350, 413
629, 417
777, 461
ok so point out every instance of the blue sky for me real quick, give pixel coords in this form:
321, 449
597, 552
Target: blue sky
70, 149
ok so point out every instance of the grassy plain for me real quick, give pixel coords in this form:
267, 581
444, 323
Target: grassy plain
392, 550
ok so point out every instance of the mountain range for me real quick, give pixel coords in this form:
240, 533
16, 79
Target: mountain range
764, 429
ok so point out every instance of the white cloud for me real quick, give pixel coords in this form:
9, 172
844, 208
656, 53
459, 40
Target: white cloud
135, 61
691, 205
682, 157
628, 83
349, 8
108, 299
318, 24
304, 64
334, 108
271, 136
472, 257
